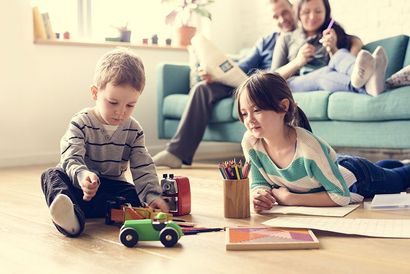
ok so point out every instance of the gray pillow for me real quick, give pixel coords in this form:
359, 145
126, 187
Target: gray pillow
400, 78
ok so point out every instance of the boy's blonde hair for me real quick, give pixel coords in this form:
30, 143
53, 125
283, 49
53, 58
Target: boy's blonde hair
119, 67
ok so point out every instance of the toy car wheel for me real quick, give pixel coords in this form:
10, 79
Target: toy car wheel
109, 205
168, 237
129, 237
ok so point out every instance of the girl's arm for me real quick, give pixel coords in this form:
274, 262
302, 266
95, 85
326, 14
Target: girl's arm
357, 45
284, 197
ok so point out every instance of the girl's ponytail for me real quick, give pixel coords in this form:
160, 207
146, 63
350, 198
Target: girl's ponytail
302, 120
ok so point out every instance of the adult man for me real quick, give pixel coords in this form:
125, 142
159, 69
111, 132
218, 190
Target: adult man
181, 149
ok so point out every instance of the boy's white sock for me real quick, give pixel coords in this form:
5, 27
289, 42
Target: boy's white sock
376, 83
62, 213
363, 68
165, 158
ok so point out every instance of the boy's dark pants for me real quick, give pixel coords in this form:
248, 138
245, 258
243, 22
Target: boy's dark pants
55, 181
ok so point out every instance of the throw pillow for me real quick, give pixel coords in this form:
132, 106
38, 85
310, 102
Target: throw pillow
400, 78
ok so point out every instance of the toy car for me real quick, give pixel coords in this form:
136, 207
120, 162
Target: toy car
133, 231
118, 211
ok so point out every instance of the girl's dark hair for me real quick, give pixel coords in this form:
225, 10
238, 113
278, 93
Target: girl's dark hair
344, 40
266, 90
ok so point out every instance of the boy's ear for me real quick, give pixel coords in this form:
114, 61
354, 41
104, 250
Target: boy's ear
94, 91
284, 104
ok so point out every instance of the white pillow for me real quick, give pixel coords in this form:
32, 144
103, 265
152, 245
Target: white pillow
400, 78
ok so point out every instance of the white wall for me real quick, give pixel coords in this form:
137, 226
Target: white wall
42, 86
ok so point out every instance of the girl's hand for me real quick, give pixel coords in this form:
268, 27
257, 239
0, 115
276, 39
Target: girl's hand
263, 200
305, 54
89, 185
282, 196
159, 203
329, 40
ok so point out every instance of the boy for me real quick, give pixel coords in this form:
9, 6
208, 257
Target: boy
97, 147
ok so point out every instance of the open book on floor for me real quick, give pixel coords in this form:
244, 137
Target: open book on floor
258, 238
216, 63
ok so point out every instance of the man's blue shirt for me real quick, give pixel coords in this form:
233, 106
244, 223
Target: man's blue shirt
260, 56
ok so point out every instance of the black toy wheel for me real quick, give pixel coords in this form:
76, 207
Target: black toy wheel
109, 205
168, 237
129, 237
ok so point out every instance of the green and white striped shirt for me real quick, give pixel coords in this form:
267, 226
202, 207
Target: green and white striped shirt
87, 145
313, 168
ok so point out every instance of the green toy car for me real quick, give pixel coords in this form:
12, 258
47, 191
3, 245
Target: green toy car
168, 232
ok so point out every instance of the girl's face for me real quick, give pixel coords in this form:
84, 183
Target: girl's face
261, 123
114, 104
312, 16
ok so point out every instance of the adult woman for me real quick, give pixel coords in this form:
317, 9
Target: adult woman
321, 56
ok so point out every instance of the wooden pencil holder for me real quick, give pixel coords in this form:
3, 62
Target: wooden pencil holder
236, 198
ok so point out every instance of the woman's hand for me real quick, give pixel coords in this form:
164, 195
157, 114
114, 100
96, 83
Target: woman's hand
282, 196
305, 54
329, 40
263, 200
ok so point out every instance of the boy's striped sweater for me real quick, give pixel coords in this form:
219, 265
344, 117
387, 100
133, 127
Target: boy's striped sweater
87, 146
313, 168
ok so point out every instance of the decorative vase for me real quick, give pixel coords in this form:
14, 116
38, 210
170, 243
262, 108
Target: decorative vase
183, 35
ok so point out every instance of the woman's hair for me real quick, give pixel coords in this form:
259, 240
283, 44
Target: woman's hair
267, 90
344, 40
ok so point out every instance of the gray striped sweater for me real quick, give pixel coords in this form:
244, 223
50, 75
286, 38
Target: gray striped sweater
87, 146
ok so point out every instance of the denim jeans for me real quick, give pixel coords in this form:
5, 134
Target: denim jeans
384, 177
333, 77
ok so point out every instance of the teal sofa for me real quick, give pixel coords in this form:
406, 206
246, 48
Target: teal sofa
343, 119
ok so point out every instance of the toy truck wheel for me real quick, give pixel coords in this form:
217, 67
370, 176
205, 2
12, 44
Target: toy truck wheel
129, 237
110, 205
168, 237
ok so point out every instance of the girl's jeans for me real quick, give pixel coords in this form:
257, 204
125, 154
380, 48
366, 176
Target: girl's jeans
384, 177
333, 77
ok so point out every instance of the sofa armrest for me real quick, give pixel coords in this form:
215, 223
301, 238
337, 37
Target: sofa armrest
172, 79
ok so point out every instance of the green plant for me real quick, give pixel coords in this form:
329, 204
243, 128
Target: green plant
181, 11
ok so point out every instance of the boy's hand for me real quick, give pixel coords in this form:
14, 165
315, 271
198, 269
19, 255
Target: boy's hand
159, 203
89, 185
282, 195
263, 200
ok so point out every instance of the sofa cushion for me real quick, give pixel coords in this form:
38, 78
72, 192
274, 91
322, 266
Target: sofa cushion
395, 48
390, 105
174, 106
314, 104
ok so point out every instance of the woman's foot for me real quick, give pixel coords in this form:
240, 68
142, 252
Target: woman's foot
165, 158
363, 69
376, 83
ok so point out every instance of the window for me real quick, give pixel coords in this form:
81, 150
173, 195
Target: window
98, 19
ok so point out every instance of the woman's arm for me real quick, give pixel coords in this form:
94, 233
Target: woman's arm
305, 54
357, 45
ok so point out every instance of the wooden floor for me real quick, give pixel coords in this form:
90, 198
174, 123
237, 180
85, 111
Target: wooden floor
30, 243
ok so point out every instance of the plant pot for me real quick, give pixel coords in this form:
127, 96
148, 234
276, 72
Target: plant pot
183, 35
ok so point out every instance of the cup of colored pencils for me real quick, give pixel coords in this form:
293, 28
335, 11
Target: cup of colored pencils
236, 188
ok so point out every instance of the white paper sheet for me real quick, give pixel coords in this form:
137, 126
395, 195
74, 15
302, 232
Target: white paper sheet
337, 211
384, 228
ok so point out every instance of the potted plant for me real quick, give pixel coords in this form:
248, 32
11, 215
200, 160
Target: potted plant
181, 17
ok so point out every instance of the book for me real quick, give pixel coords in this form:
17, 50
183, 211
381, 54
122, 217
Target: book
216, 63
391, 201
47, 26
38, 25
260, 238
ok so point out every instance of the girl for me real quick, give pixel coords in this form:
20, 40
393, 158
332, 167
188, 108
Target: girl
291, 166
325, 56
